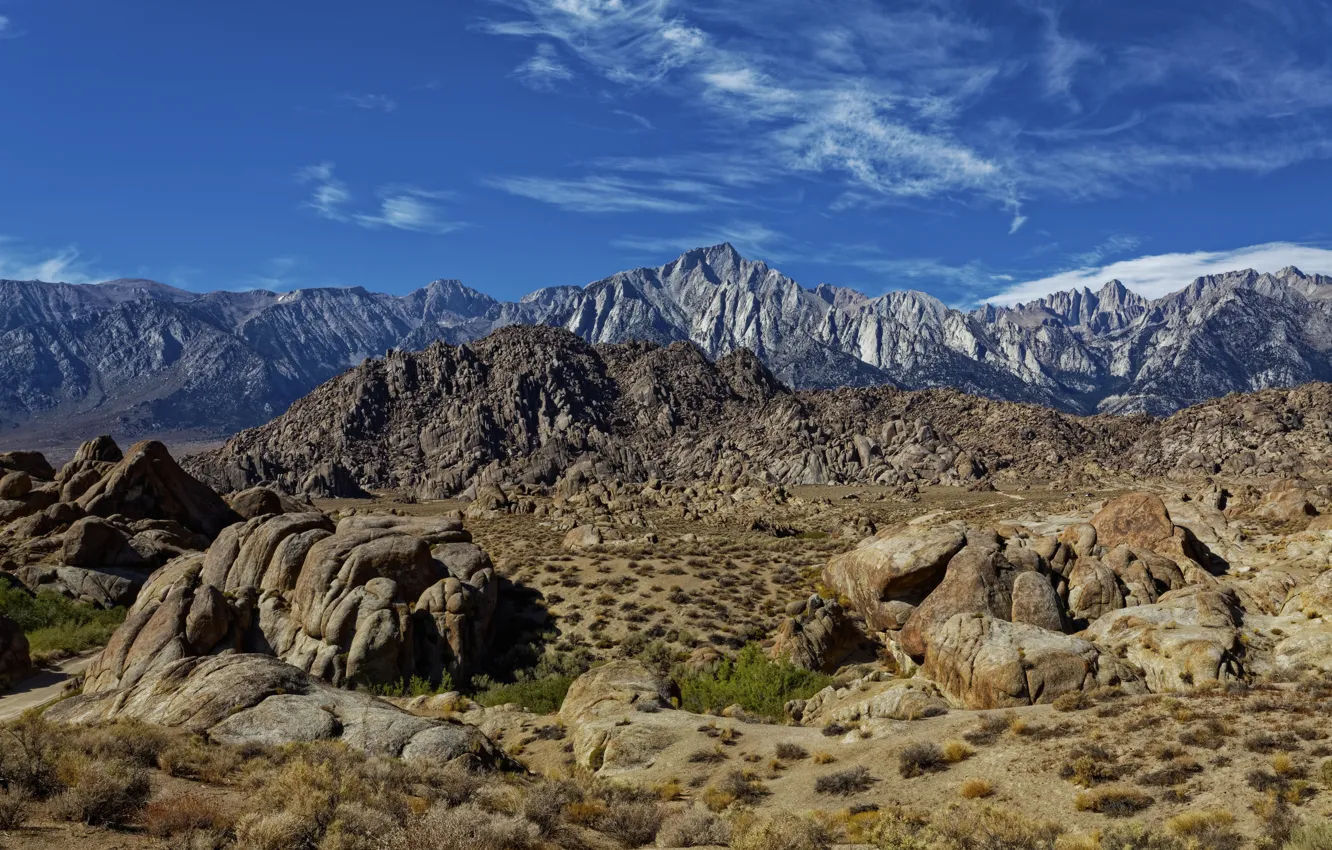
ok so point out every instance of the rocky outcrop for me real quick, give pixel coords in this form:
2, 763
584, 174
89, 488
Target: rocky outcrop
900, 567
99, 526
597, 706
977, 581
1189, 637
818, 636
257, 699
983, 662
372, 600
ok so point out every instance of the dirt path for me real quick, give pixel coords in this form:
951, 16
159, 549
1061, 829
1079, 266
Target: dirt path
42, 688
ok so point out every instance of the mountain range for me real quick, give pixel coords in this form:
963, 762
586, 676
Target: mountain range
136, 357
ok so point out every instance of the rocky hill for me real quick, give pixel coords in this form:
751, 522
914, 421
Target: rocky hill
528, 404
138, 357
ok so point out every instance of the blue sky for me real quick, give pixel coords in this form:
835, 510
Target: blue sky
971, 150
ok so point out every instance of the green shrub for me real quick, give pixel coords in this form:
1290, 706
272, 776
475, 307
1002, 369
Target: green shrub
542, 696
752, 681
1314, 835
56, 626
416, 687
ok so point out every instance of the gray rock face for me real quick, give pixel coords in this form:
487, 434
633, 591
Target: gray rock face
225, 360
240, 698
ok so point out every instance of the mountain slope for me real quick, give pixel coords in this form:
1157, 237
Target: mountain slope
135, 356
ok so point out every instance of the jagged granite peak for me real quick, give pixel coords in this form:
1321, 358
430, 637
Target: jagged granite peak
136, 357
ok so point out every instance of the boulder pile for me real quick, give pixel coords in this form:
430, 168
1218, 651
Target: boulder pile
370, 600
1004, 617
95, 529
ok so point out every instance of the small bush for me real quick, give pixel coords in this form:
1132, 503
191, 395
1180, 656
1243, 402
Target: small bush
182, 814
791, 752
987, 730
276, 831
540, 696
918, 759
634, 824
757, 684
1112, 802
15, 805
693, 827
823, 757
853, 780
545, 803
471, 827
103, 792
975, 788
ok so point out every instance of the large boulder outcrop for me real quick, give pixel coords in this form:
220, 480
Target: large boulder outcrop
972, 584
599, 704
901, 567
106, 521
1311, 600
982, 662
1036, 603
372, 600
148, 484
1186, 638
258, 699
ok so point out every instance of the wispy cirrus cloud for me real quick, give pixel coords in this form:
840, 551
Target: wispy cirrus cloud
543, 70
401, 207
609, 194
950, 102
20, 260
372, 102
754, 240
1160, 274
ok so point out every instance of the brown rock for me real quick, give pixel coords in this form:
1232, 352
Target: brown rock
971, 585
15, 485
1036, 603
1093, 590
899, 567
1138, 519
148, 483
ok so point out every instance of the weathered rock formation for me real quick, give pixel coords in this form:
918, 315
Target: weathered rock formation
372, 600
258, 699
98, 527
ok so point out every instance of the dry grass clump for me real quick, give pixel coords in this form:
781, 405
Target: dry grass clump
1115, 802
976, 788
1316, 835
823, 757
1213, 829
734, 786
853, 780
466, 826
777, 830
1073, 701
956, 751
693, 827
964, 828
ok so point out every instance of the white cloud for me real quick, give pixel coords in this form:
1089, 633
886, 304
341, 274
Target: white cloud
375, 102
21, 261
543, 70
753, 240
1119, 243
1161, 274
600, 194
4, 25
920, 100
401, 207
